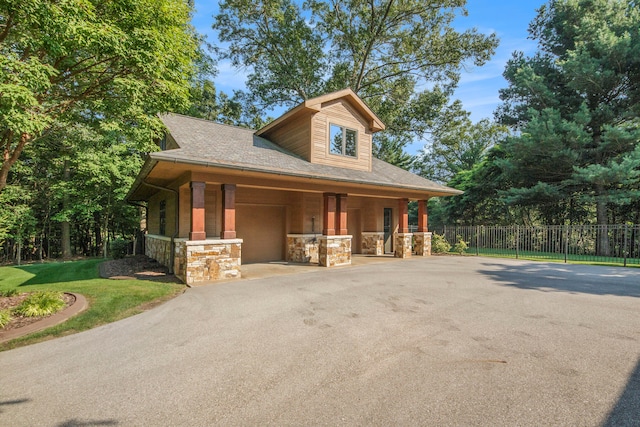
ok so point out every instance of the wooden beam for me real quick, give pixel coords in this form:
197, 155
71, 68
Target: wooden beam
197, 212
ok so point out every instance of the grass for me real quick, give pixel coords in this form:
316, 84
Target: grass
554, 257
109, 300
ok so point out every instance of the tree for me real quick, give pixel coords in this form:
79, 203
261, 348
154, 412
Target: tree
128, 59
577, 103
385, 51
457, 145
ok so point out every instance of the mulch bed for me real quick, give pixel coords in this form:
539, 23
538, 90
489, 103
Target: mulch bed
18, 321
136, 267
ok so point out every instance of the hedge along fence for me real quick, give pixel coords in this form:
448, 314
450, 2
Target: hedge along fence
618, 244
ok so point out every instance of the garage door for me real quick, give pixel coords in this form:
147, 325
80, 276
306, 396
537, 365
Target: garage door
262, 229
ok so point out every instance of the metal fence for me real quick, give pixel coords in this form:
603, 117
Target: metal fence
619, 244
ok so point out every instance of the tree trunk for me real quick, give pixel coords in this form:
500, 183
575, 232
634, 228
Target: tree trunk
106, 241
602, 244
19, 250
97, 233
10, 157
65, 226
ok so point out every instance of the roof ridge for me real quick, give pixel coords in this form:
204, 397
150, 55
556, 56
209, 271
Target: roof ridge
209, 121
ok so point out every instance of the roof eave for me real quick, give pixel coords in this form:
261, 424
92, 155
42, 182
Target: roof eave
147, 167
314, 105
158, 157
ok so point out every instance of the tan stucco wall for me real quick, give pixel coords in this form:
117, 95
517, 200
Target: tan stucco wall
153, 222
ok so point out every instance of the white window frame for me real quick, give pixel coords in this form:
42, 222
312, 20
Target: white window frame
344, 141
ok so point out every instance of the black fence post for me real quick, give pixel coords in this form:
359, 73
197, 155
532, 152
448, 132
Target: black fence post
624, 250
566, 242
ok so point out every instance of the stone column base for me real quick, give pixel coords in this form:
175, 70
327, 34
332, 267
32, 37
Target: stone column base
403, 245
423, 243
198, 261
303, 248
372, 243
334, 251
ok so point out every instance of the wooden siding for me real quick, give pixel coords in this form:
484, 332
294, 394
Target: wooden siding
153, 222
295, 136
354, 228
211, 209
211, 223
171, 143
340, 113
312, 212
185, 211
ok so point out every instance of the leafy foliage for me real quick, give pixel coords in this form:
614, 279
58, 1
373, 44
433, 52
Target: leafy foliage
574, 111
81, 84
125, 60
119, 248
5, 317
577, 104
439, 244
41, 303
388, 52
9, 293
460, 247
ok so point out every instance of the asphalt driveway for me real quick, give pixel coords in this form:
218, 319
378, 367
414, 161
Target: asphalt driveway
434, 341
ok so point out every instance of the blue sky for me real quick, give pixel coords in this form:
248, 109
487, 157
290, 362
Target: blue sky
478, 88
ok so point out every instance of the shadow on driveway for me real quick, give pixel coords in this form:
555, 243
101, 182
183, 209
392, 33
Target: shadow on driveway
549, 277
626, 412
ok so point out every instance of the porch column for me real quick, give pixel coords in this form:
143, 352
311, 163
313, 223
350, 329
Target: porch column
341, 214
422, 216
334, 246
228, 211
329, 219
197, 212
403, 238
422, 237
403, 215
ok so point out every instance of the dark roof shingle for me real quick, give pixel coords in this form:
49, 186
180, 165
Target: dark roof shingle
205, 142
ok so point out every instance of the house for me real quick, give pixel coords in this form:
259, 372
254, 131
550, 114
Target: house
305, 188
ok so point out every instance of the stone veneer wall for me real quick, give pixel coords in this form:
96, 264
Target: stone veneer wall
403, 245
334, 251
422, 245
303, 247
199, 261
158, 248
372, 243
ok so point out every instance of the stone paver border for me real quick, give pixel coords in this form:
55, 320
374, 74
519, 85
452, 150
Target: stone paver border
78, 306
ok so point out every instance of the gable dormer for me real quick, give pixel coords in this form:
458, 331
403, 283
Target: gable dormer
334, 129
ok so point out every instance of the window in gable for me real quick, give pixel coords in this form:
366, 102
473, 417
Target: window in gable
343, 141
163, 143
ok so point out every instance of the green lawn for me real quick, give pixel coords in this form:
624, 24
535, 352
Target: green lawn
555, 257
109, 300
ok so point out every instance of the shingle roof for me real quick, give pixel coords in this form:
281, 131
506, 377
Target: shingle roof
203, 142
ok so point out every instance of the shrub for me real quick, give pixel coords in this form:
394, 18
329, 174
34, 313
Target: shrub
439, 244
9, 293
460, 247
119, 248
5, 317
42, 303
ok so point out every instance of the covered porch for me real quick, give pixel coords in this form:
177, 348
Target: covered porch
209, 222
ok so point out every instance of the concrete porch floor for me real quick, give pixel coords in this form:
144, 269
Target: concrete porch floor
262, 270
